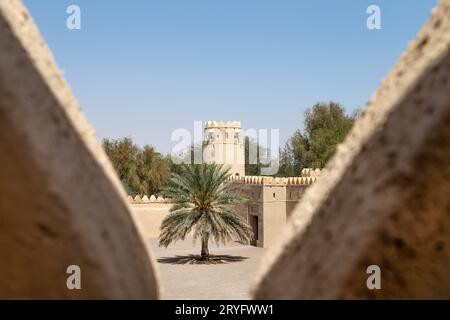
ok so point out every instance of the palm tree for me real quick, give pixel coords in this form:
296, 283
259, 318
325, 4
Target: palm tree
202, 199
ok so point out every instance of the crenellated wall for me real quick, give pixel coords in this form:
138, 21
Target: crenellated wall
78, 213
150, 213
260, 180
271, 202
371, 208
146, 199
384, 200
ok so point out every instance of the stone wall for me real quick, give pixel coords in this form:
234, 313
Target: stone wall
150, 217
61, 203
270, 202
385, 198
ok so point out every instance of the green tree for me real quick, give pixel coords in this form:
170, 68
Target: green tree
152, 170
123, 153
326, 125
202, 202
142, 171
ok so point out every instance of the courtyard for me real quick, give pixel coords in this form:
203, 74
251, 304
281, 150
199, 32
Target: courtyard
229, 276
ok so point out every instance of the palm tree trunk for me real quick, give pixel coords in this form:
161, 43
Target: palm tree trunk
205, 250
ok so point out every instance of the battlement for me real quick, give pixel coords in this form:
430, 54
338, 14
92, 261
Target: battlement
145, 199
273, 181
222, 124
307, 177
310, 172
333, 231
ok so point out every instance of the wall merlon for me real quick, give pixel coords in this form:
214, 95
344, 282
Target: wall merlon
273, 181
222, 124
146, 199
310, 172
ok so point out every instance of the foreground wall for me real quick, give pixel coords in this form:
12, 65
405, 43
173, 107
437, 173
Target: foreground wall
385, 198
60, 201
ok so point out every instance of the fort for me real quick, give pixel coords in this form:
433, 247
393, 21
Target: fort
383, 199
270, 200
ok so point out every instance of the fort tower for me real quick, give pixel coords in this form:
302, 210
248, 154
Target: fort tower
223, 143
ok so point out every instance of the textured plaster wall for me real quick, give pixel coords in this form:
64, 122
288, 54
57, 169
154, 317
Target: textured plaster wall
60, 200
385, 197
150, 217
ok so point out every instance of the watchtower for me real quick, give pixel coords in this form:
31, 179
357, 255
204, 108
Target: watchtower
223, 143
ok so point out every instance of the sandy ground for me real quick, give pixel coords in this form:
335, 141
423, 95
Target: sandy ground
183, 277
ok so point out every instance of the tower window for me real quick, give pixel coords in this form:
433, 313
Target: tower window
274, 195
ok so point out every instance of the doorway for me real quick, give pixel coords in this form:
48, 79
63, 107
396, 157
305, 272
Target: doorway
254, 225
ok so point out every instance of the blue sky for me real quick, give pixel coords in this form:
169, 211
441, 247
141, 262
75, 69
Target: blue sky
144, 68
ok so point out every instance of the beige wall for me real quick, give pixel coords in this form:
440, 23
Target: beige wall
293, 196
61, 202
385, 200
150, 217
274, 213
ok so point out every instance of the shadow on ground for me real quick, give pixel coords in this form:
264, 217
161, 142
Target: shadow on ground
196, 259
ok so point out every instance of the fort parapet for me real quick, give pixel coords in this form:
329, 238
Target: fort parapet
146, 199
271, 200
273, 181
370, 208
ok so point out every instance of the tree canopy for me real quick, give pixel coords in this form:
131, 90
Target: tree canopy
141, 170
253, 163
326, 125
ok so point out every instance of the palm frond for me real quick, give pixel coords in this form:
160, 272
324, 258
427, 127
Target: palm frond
202, 203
